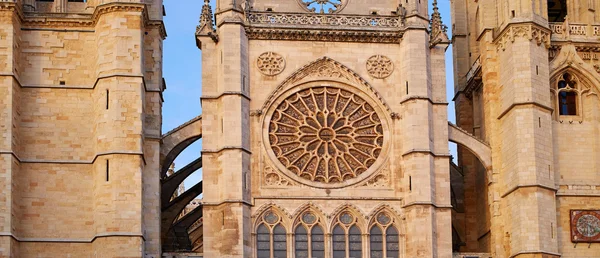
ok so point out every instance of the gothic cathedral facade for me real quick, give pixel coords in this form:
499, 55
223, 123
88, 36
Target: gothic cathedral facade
324, 131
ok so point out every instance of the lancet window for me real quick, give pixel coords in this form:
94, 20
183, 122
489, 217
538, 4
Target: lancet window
309, 237
271, 239
384, 238
346, 237
567, 95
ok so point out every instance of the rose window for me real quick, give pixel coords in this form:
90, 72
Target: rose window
323, 6
326, 134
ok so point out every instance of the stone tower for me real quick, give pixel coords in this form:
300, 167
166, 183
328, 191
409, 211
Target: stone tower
81, 123
526, 83
324, 129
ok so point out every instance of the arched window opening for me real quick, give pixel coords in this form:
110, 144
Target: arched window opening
557, 10
313, 243
567, 95
347, 238
271, 239
384, 239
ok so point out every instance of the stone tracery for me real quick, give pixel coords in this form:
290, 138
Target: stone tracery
326, 134
323, 6
270, 63
380, 66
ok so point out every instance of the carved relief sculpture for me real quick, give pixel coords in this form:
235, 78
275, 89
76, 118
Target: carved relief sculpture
325, 134
270, 63
380, 66
585, 226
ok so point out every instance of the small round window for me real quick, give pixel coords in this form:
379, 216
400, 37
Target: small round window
323, 6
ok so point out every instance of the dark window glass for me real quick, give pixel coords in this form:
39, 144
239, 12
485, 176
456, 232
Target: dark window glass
376, 242
263, 242
355, 242
567, 103
392, 242
317, 242
557, 10
339, 242
301, 242
279, 242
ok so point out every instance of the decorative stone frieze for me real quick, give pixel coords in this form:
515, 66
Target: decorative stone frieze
531, 32
380, 66
270, 63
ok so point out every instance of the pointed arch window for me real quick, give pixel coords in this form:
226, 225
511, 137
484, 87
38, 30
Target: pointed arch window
567, 92
384, 238
347, 237
309, 237
271, 239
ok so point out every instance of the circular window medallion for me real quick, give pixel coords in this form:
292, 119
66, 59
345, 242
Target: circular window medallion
325, 135
383, 219
271, 217
270, 63
346, 218
323, 6
380, 66
309, 218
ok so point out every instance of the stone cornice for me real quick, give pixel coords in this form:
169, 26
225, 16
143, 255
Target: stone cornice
528, 30
80, 20
324, 35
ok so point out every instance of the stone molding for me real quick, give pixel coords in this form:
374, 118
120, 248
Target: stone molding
69, 240
530, 31
69, 20
324, 35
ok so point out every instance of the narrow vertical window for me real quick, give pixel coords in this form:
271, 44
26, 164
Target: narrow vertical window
339, 242
107, 170
107, 98
392, 242
301, 242
568, 94
263, 242
279, 242
317, 242
376, 242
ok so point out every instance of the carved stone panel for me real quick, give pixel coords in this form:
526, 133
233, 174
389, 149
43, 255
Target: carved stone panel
380, 66
323, 6
585, 226
270, 63
326, 135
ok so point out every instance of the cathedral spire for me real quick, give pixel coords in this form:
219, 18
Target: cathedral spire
437, 27
207, 25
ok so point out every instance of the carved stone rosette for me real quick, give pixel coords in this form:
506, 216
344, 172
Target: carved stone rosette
325, 135
270, 63
380, 66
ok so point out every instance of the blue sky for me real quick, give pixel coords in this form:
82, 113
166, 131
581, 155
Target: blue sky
182, 71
